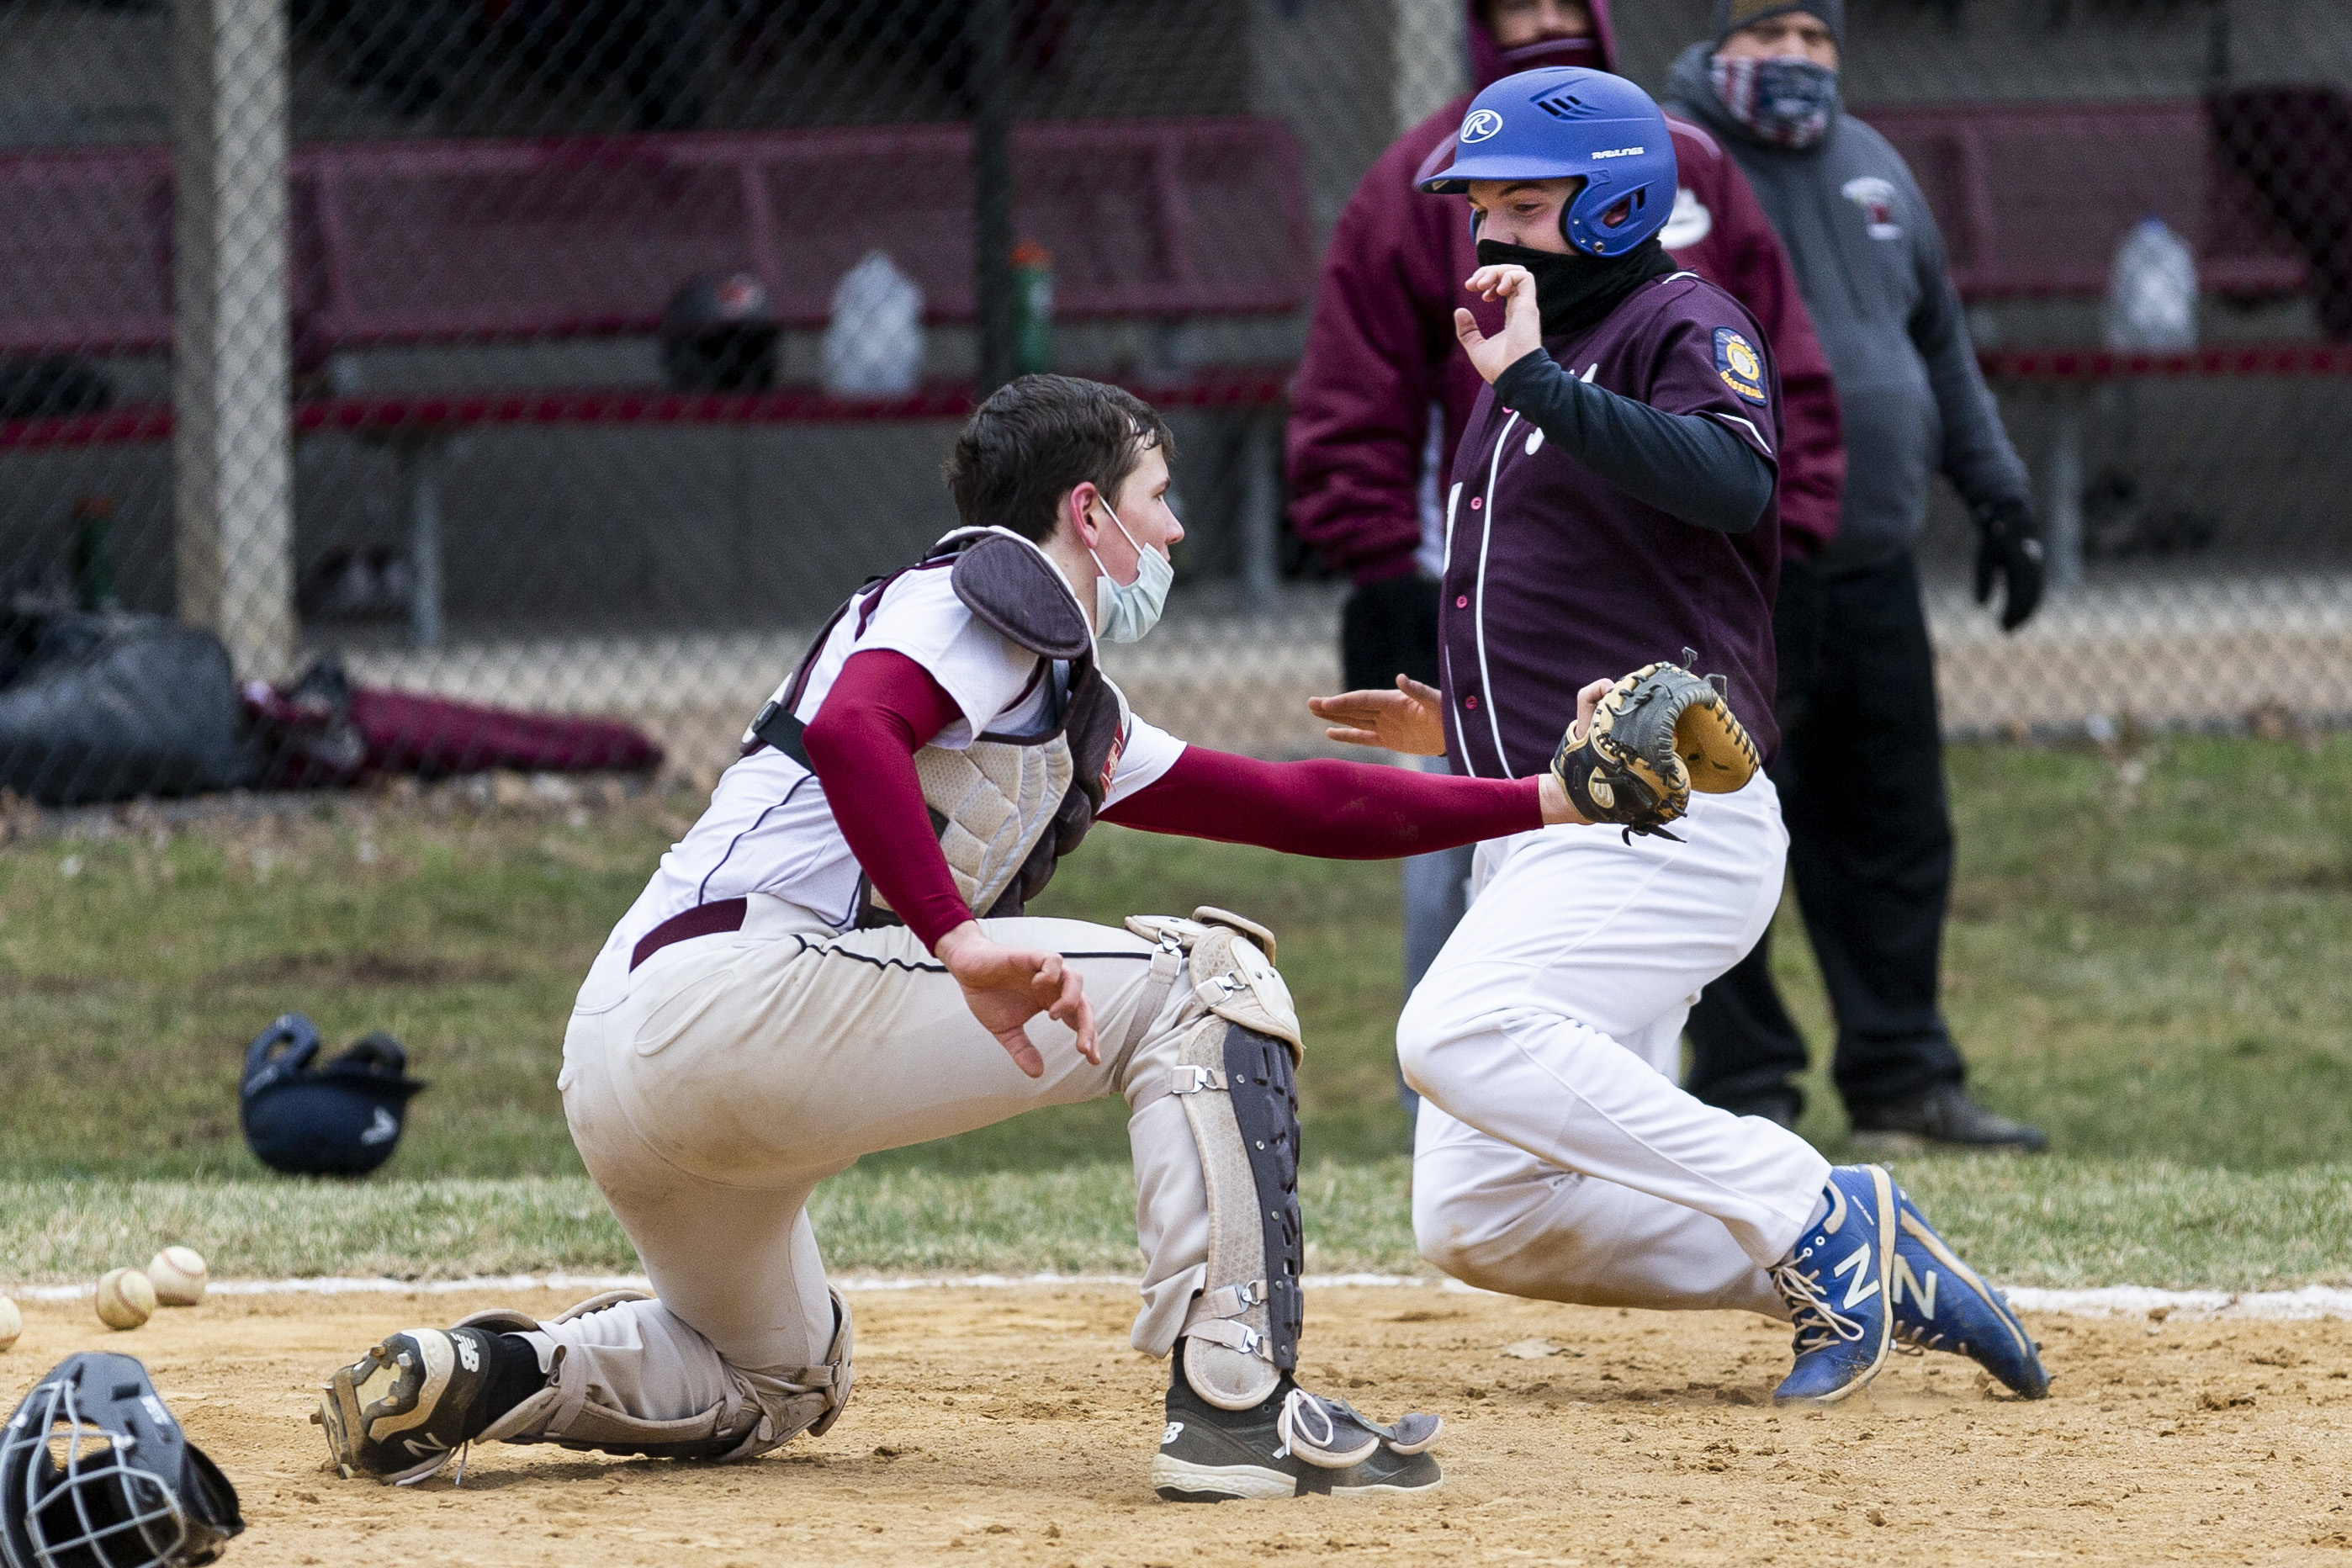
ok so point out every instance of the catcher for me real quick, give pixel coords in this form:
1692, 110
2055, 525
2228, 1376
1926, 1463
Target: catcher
833, 960
1613, 498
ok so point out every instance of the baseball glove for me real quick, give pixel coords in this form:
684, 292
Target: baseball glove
1660, 734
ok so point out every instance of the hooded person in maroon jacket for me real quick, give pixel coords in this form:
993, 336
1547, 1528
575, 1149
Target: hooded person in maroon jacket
1382, 394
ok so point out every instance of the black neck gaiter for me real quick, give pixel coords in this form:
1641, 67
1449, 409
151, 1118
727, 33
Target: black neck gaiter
1576, 291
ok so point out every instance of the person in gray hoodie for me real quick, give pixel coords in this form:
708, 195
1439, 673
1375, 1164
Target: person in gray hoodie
1860, 769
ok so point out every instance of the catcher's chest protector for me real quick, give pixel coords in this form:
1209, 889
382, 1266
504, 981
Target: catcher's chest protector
1007, 807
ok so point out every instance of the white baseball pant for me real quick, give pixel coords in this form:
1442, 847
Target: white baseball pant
1555, 1156
739, 1071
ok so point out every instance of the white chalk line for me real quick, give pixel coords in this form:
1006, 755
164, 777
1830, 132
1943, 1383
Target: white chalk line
2112, 1300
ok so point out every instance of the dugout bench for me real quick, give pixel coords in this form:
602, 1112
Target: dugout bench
543, 240
2032, 200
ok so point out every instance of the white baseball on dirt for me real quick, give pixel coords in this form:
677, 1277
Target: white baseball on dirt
12, 1322
125, 1298
179, 1274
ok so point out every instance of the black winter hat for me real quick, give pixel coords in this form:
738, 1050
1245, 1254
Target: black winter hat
1730, 16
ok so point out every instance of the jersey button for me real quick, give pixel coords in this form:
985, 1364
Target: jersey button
1474, 503
1463, 603
1471, 700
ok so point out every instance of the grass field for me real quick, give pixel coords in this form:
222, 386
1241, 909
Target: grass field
2147, 957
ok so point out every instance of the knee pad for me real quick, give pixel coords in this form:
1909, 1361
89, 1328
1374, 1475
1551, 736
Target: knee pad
761, 1410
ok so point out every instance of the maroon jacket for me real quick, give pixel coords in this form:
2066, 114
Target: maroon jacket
1381, 347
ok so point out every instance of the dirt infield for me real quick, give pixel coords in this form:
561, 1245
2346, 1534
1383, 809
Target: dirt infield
1015, 1425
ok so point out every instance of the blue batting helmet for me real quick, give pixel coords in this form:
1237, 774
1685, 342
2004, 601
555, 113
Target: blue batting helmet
1565, 119
339, 1117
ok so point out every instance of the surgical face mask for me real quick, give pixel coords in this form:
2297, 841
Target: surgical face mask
1788, 102
1125, 611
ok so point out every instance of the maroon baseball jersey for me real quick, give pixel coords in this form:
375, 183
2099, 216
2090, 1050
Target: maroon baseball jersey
1555, 578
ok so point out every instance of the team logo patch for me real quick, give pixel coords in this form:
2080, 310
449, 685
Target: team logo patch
1740, 365
1110, 763
1875, 197
1482, 124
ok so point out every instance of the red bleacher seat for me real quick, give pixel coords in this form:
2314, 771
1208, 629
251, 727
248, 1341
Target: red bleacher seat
86, 250
417, 241
2033, 198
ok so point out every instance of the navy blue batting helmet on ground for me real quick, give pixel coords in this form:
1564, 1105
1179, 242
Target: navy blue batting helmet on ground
339, 1118
1565, 119
95, 1473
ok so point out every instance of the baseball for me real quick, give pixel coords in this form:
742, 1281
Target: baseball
12, 1322
125, 1298
179, 1275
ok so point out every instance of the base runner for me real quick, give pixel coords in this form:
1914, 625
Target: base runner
1612, 504
803, 982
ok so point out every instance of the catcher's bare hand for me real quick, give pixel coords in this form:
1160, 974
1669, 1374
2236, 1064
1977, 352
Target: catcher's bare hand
1522, 331
1406, 720
1007, 986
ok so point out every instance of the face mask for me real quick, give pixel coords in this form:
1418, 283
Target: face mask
1788, 102
1576, 291
1125, 611
1584, 51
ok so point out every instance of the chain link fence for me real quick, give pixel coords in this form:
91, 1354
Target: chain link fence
576, 356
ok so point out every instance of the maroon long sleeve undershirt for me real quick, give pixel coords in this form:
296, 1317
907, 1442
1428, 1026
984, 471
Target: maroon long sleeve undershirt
884, 707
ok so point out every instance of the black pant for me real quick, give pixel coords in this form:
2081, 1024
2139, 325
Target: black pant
1861, 776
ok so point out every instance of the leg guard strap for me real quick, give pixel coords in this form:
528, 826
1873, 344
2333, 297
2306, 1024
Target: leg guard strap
1332, 1433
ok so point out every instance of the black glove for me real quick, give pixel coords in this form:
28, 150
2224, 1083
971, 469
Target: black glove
1388, 629
2010, 542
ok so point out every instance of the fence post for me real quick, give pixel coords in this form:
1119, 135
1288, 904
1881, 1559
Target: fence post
990, 24
1429, 69
1261, 508
231, 481
2062, 506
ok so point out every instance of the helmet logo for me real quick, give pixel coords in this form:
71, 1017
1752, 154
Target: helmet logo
1619, 153
1481, 124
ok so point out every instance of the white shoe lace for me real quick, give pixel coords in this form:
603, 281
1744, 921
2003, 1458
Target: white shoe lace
1819, 1325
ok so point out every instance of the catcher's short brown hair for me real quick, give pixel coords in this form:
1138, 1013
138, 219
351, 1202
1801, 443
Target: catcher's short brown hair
1038, 438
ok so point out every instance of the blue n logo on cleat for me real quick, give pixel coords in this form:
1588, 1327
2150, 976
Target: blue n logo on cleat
1923, 1294
1856, 1292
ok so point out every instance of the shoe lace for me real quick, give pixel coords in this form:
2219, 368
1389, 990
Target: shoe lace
457, 1456
1819, 1325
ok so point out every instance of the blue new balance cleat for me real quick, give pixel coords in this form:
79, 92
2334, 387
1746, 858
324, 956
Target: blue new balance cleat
1941, 1304
1834, 1280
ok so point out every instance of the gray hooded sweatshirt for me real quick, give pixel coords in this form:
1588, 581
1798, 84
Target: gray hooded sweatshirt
1871, 266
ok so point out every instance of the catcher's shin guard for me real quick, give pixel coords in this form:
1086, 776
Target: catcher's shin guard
412, 1405
761, 1409
1235, 1076
1239, 1095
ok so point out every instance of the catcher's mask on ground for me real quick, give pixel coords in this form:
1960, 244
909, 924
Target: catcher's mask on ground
95, 1473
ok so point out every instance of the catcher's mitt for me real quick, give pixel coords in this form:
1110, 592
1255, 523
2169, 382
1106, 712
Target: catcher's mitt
1660, 734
